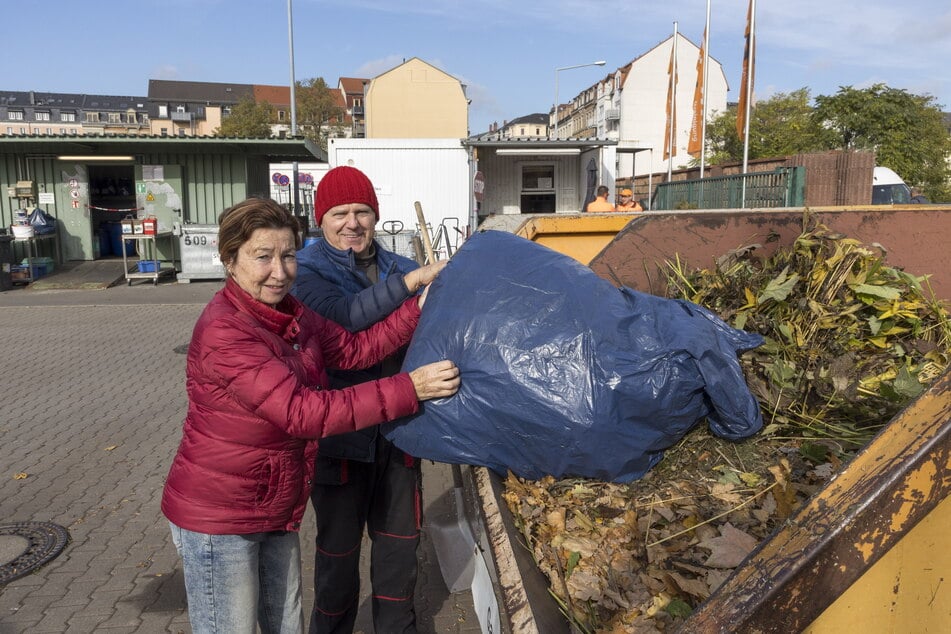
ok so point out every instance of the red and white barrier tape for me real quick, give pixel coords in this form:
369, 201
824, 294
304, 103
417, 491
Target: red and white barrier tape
112, 209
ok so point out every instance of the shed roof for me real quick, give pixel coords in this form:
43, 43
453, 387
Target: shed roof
109, 144
494, 140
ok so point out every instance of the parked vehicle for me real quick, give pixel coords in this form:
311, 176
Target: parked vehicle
888, 188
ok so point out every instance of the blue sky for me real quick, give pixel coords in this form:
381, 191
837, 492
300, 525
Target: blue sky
505, 51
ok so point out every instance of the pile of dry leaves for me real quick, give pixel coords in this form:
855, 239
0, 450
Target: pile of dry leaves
849, 341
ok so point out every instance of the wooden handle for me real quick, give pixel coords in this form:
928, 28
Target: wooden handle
424, 231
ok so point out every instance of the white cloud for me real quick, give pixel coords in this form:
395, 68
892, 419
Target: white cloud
165, 72
376, 67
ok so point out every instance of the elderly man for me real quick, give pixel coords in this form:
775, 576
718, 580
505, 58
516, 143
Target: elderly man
361, 479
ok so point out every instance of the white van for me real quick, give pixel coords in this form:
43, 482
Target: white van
888, 188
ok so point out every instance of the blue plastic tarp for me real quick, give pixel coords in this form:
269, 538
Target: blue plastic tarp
564, 374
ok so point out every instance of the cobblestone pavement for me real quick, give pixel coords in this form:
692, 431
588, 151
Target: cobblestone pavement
92, 404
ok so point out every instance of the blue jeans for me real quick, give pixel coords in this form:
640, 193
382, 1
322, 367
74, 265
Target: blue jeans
235, 582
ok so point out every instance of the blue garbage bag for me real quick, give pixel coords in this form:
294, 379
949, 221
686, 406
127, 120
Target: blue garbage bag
42, 222
564, 374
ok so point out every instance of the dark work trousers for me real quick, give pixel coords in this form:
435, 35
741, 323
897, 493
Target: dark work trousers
385, 497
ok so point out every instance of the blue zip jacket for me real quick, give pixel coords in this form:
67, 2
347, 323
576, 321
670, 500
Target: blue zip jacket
329, 282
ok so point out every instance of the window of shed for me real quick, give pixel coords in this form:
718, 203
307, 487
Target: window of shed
538, 189
538, 177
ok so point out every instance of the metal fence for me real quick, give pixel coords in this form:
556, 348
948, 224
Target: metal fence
401, 242
784, 187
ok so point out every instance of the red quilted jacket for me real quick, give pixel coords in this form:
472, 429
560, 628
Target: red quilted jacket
258, 400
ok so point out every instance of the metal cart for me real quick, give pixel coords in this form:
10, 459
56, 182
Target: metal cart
149, 266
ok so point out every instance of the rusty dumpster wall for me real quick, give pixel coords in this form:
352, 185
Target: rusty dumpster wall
800, 576
913, 237
903, 477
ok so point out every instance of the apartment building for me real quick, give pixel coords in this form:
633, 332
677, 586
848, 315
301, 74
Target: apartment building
532, 126
47, 113
192, 108
280, 99
629, 105
416, 100
353, 93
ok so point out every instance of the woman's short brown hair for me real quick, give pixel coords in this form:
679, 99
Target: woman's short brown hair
237, 223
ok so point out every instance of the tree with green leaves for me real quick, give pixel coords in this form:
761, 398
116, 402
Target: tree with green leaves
906, 132
319, 112
247, 119
779, 126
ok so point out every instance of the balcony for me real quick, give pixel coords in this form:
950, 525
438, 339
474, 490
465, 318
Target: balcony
183, 117
612, 114
357, 111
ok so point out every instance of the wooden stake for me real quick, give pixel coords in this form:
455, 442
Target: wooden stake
424, 231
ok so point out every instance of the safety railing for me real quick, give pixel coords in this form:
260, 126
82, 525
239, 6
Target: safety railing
784, 187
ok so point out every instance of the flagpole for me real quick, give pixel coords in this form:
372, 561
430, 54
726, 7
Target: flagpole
703, 93
749, 94
672, 104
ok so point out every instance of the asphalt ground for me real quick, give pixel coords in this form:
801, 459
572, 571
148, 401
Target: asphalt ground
91, 405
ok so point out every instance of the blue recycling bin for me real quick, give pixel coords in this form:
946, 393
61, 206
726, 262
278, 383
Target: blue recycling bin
116, 241
105, 240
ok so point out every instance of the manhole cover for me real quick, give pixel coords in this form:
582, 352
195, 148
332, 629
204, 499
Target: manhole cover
38, 542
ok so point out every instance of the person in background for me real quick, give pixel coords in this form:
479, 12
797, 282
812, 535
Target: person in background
918, 197
627, 202
361, 480
600, 203
258, 399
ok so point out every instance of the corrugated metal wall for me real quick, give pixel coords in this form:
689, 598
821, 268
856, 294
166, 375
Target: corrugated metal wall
212, 182
434, 172
837, 178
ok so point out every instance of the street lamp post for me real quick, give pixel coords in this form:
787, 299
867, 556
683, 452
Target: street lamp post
290, 41
557, 70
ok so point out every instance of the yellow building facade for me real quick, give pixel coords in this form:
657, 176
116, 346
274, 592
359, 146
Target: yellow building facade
416, 100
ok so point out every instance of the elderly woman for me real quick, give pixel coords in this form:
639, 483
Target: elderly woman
258, 399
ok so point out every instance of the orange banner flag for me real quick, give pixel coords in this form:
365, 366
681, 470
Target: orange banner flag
695, 143
671, 129
749, 53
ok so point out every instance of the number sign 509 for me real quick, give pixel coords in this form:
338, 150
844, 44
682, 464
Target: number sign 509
195, 240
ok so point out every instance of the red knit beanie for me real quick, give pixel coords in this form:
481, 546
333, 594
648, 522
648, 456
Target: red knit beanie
341, 186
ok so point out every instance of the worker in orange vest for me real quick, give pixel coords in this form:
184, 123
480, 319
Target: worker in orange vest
601, 202
627, 202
